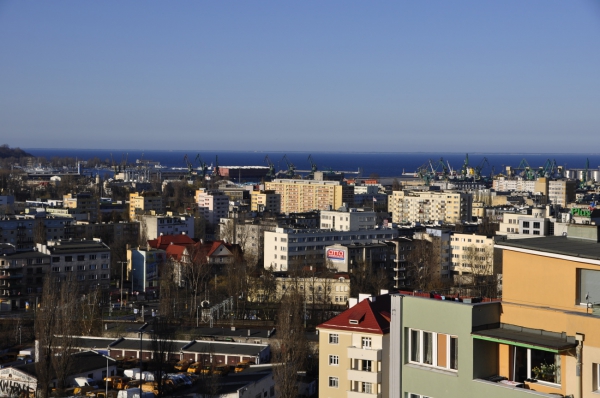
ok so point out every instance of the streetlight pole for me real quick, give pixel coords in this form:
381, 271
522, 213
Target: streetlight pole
141, 332
122, 267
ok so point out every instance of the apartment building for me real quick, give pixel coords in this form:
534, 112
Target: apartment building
7, 203
377, 256
472, 257
266, 201
354, 350
20, 230
87, 261
520, 225
285, 246
518, 184
402, 246
82, 203
562, 192
305, 195
213, 205
345, 219
169, 224
21, 277
144, 202
430, 206
145, 263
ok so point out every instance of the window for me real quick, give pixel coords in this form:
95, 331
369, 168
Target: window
92, 266
55, 269
433, 349
367, 388
81, 268
92, 256
542, 366
366, 366
334, 360
366, 342
536, 225
104, 266
68, 269
525, 224
334, 338
333, 382
589, 286
81, 258
68, 259
104, 256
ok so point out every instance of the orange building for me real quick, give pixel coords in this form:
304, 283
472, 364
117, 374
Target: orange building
549, 336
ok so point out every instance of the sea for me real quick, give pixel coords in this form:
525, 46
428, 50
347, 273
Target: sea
383, 164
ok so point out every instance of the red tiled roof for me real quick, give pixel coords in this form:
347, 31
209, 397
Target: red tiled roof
175, 251
366, 316
163, 241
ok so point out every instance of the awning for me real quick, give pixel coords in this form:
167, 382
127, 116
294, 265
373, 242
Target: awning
537, 339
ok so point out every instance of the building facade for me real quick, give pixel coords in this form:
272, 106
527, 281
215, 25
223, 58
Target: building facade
143, 202
285, 246
299, 196
430, 206
213, 205
169, 224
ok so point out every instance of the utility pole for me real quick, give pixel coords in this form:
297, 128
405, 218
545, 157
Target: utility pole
121, 286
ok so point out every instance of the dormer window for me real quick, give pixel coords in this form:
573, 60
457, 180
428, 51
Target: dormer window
353, 321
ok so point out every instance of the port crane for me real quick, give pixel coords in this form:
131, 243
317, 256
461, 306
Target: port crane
202, 166
480, 167
313, 167
583, 183
189, 165
215, 172
271, 173
464, 171
291, 171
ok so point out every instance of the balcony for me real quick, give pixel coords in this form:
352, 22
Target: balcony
363, 375
497, 389
361, 353
356, 394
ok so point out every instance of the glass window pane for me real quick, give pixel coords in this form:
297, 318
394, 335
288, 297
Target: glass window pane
415, 348
454, 353
589, 284
545, 366
428, 348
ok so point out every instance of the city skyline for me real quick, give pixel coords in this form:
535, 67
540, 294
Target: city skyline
341, 76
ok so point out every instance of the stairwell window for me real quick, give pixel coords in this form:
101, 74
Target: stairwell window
433, 349
334, 338
334, 360
333, 382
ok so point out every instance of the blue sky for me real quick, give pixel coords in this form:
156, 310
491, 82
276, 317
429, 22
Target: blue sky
494, 76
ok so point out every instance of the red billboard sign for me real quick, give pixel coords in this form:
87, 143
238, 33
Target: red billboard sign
336, 255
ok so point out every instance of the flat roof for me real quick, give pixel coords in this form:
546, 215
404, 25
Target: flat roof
218, 347
574, 247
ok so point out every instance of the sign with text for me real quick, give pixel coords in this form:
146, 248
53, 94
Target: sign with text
336, 254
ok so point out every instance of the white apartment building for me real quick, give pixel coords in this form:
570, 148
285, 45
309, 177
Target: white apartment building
514, 184
430, 206
469, 251
518, 225
346, 219
286, 246
169, 224
213, 205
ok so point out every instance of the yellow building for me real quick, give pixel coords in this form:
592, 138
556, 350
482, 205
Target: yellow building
82, 202
265, 201
354, 351
332, 289
299, 196
429, 206
144, 202
549, 337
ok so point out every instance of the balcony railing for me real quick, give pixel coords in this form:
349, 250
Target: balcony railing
362, 353
357, 394
364, 375
493, 389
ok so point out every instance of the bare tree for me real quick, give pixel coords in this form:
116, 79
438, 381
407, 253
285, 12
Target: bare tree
39, 232
423, 264
162, 344
291, 353
45, 330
